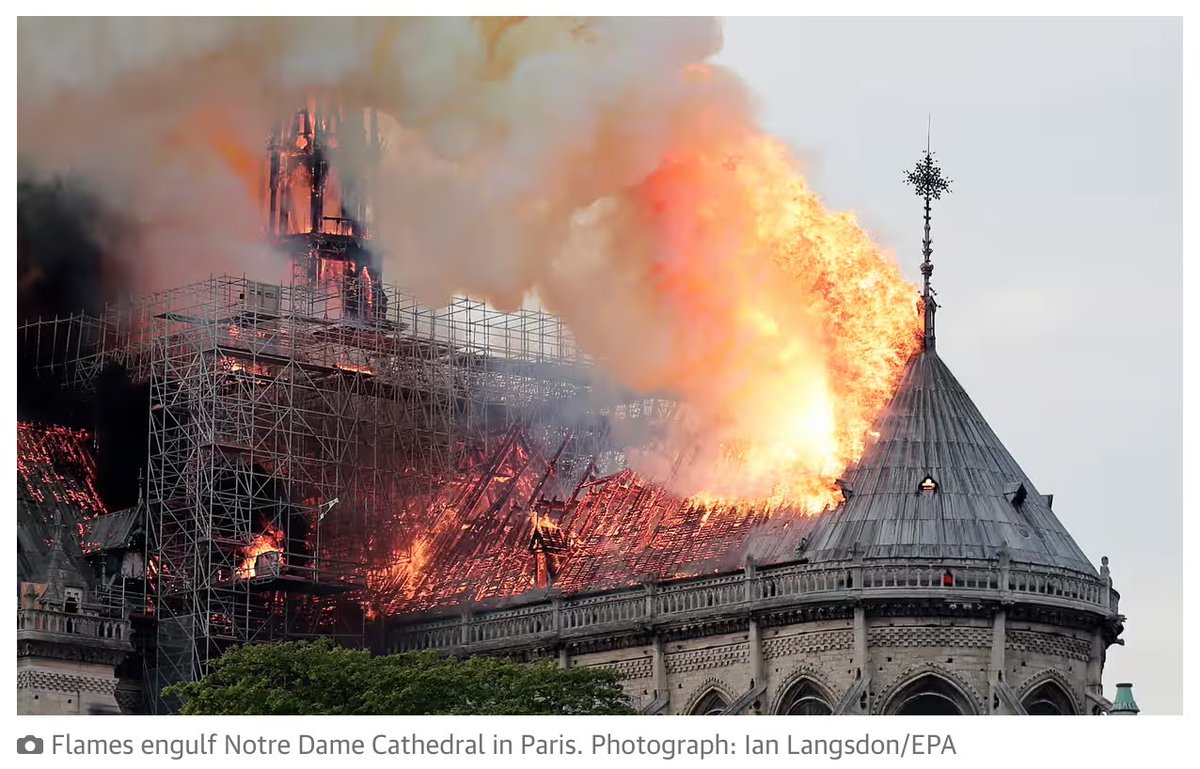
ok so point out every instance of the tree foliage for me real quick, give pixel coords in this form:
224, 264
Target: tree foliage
321, 678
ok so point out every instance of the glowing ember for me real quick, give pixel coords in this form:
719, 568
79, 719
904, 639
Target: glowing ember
235, 366
54, 465
354, 368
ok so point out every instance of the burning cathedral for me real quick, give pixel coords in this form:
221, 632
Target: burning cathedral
326, 457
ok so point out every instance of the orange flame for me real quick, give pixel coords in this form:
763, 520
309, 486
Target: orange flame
235, 366
790, 326
271, 541
354, 368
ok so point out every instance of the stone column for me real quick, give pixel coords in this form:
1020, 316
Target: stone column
650, 588
758, 674
862, 661
860, 640
1106, 578
660, 667
556, 603
464, 638
1095, 665
996, 666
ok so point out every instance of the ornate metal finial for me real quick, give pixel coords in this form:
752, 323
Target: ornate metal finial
929, 183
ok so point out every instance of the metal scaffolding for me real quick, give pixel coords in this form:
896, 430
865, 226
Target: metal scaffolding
301, 434
296, 441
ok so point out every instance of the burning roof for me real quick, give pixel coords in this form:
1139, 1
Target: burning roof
56, 482
55, 467
493, 535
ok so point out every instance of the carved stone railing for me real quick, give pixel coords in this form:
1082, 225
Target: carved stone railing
760, 588
524, 620
83, 626
702, 595
604, 609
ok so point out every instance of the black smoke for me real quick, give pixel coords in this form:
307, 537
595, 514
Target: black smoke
67, 240
120, 424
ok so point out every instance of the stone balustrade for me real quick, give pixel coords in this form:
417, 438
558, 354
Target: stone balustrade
761, 588
72, 624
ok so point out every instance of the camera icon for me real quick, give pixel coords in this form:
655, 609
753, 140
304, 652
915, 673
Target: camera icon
30, 745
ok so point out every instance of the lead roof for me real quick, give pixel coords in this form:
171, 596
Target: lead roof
983, 500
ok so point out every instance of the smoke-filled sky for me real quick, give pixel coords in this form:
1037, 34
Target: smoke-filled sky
1058, 255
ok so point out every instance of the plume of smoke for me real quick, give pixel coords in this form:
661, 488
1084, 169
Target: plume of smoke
503, 129
593, 162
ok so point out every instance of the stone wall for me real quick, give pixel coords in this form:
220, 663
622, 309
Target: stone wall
635, 664
1035, 653
697, 666
62, 687
822, 653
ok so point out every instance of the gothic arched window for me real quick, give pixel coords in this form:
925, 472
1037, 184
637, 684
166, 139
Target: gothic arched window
1048, 699
711, 704
929, 695
804, 698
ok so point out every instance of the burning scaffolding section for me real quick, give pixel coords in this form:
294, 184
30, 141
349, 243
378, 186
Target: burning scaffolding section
299, 452
296, 448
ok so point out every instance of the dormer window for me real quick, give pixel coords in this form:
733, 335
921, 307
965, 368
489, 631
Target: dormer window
928, 486
1015, 493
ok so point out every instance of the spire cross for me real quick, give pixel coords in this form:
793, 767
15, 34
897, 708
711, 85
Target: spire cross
928, 182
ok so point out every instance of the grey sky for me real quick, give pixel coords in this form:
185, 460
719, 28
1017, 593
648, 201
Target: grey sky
1058, 256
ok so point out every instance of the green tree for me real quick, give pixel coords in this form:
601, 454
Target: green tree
322, 678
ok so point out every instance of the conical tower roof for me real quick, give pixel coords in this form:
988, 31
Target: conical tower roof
939, 484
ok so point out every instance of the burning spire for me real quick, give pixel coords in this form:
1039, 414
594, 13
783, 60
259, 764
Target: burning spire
929, 183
